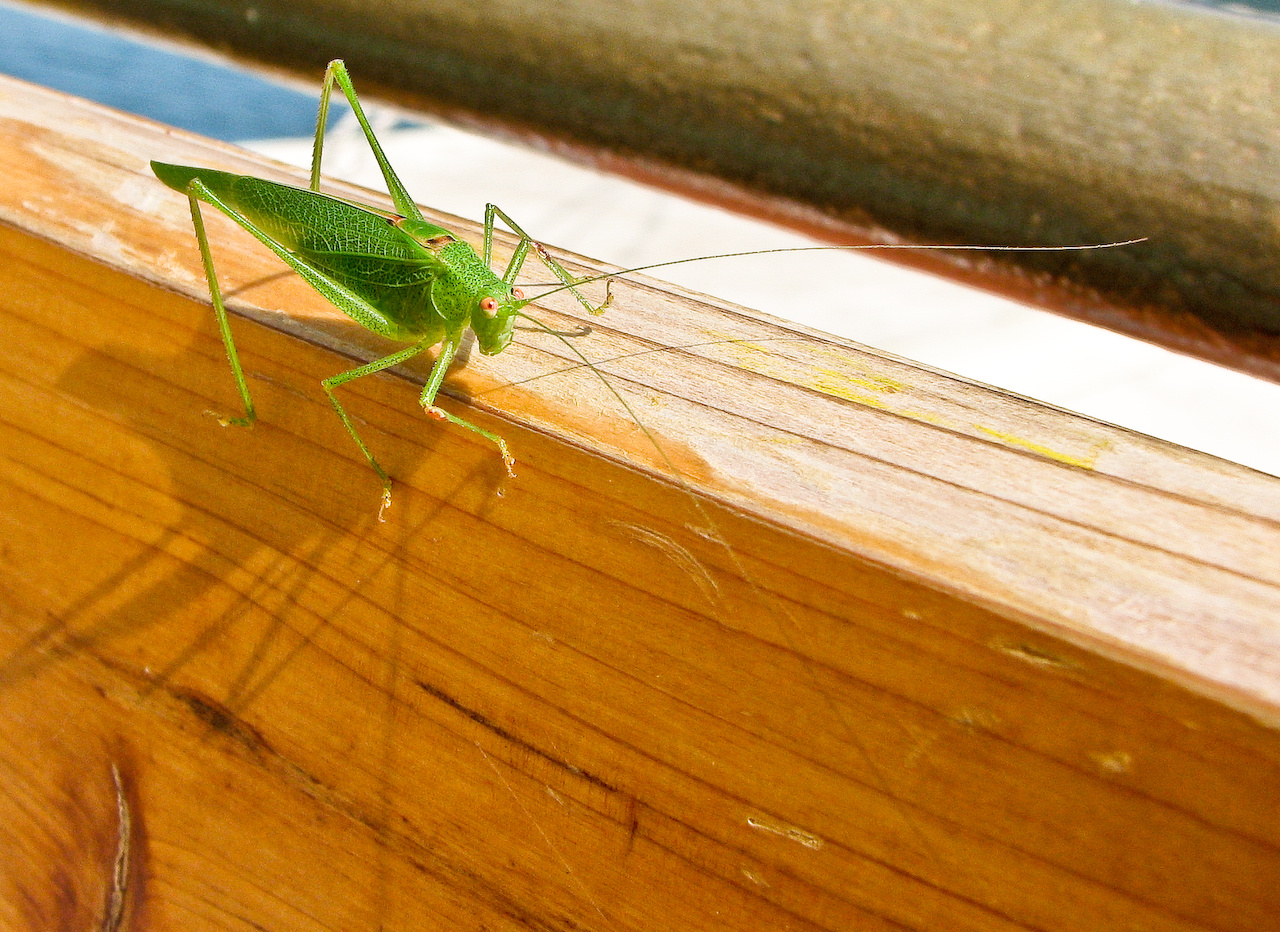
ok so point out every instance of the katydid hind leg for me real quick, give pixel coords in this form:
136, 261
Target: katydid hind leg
224, 325
427, 399
337, 72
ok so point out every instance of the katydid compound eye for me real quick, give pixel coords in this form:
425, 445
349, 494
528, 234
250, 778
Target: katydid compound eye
488, 305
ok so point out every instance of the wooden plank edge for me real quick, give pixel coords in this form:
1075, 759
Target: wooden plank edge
1148, 553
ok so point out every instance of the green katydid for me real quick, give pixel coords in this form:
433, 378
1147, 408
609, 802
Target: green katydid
394, 273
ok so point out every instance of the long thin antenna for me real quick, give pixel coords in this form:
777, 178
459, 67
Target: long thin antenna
764, 252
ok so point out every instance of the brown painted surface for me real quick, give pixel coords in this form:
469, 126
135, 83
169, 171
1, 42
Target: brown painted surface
864, 647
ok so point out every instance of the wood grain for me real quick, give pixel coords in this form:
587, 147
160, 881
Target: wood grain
853, 645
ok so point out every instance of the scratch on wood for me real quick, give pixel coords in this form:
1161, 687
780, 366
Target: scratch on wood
568, 869
678, 555
1036, 656
808, 839
975, 719
754, 876
1112, 761
120, 871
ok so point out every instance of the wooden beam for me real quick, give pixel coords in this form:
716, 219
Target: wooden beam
831, 642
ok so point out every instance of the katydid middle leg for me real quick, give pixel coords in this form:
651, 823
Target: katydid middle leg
427, 399
329, 384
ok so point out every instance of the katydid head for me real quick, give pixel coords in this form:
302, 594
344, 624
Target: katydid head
494, 317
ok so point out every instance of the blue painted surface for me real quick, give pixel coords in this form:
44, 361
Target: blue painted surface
214, 100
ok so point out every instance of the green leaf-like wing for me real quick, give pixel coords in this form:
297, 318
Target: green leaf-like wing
357, 247
350, 243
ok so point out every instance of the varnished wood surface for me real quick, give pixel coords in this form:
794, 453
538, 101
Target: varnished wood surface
853, 646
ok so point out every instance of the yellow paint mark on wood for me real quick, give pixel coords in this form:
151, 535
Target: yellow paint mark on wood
1081, 462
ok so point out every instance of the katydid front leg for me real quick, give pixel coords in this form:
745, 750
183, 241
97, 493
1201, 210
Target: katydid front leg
427, 399
522, 249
